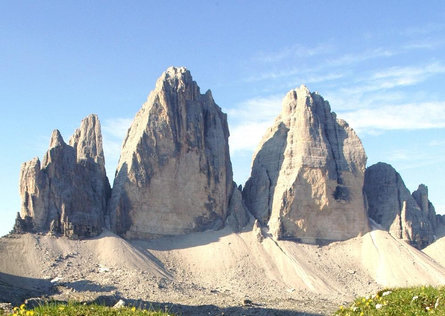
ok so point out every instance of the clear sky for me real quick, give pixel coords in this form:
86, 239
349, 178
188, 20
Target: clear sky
380, 64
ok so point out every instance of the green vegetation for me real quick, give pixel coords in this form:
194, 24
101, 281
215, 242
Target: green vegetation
77, 309
406, 301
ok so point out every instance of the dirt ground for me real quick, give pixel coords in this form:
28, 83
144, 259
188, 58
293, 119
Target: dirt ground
213, 273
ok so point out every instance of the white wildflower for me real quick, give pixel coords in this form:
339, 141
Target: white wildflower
378, 306
386, 293
414, 298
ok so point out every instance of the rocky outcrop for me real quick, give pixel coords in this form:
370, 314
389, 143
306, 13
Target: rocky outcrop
421, 197
405, 216
174, 174
67, 193
437, 221
307, 174
238, 214
23, 225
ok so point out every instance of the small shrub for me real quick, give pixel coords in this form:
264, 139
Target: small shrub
403, 301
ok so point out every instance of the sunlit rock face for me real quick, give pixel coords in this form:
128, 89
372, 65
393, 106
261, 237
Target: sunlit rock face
405, 216
67, 193
174, 174
307, 174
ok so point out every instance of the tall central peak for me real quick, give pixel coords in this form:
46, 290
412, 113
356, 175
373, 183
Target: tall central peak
174, 175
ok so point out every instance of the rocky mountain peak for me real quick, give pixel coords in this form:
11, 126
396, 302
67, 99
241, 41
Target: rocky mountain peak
56, 139
177, 80
301, 99
87, 140
421, 197
174, 175
176, 73
307, 174
405, 216
68, 193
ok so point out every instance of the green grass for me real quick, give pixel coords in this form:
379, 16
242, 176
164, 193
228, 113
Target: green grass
402, 301
77, 309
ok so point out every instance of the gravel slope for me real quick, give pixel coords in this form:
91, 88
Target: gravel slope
212, 272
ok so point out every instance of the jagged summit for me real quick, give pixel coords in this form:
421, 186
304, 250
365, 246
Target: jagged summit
56, 139
68, 192
87, 140
179, 79
172, 73
307, 173
173, 77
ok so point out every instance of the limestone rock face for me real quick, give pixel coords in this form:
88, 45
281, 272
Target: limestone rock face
421, 197
307, 174
174, 174
238, 214
68, 191
407, 217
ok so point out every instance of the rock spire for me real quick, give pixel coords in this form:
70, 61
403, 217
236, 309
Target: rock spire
66, 193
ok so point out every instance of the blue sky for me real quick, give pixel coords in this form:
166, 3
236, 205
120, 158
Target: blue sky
380, 64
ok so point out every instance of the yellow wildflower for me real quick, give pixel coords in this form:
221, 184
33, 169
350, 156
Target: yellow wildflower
29, 313
22, 307
133, 309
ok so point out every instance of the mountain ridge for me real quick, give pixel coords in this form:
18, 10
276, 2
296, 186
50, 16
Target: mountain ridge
175, 229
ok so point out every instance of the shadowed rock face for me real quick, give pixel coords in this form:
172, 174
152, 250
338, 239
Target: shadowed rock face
421, 197
307, 174
405, 216
67, 193
238, 214
174, 174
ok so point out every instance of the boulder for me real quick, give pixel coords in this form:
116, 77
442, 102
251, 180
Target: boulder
67, 193
174, 174
307, 174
